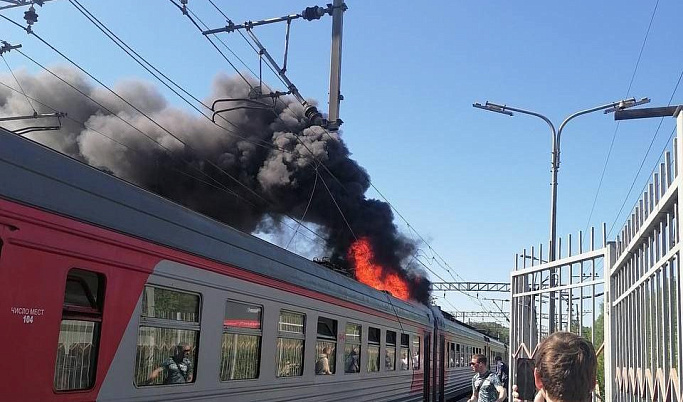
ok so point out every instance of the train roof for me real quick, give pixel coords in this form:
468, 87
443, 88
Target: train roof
36, 175
447, 321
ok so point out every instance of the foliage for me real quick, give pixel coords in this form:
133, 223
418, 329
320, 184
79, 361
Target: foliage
493, 330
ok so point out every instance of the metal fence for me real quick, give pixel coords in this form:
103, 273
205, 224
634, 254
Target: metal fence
562, 295
644, 285
629, 290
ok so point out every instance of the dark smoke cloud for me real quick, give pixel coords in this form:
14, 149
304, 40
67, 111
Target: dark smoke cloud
287, 180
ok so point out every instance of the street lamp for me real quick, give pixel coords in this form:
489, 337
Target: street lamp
555, 162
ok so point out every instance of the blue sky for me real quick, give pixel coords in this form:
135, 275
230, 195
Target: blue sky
474, 184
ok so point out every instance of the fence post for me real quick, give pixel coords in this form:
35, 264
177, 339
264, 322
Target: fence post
608, 351
678, 158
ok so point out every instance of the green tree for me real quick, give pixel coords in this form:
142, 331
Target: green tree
599, 328
493, 330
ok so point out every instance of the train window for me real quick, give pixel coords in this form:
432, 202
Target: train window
79, 331
373, 349
352, 348
404, 352
290, 344
326, 346
458, 360
168, 337
451, 355
390, 351
416, 352
241, 344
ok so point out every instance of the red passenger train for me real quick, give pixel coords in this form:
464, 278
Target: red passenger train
113, 293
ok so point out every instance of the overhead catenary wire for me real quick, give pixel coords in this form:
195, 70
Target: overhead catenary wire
247, 40
147, 66
19, 84
616, 129
117, 116
317, 162
214, 45
114, 140
654, 136
169, 132
447, 268
239, 183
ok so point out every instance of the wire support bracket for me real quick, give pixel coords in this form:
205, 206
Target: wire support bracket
6, 47
26, 130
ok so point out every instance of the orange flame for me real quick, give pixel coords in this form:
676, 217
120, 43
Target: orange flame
361, 255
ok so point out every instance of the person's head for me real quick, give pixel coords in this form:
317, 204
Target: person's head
566, 367
181, 351
478, 363
326, 350
498, 359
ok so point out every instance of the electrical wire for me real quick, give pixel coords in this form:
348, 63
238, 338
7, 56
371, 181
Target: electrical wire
214, 45
616, 129
144, 64
318, 163
661, 120
248, 42
18, 83
145, 115
131, 52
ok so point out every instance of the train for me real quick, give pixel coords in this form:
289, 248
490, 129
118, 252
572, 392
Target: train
113, 293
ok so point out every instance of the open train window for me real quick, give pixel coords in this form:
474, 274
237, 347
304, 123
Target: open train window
241, 344
352, 348
168, 337
326, 346
405, 352
416, 352
290, 344
390, 351
79, 332
373, 349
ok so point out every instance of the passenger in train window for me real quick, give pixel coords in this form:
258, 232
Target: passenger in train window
404, 359
322, 365
486, 386
566, 369
352, 363
178, 368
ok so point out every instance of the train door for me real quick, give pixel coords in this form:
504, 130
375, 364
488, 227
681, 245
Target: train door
427, 366
441, 366
489, 357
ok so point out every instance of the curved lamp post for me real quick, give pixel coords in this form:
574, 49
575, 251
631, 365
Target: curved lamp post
555, 164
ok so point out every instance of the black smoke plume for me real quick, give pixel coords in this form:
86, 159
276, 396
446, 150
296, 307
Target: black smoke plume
292, 183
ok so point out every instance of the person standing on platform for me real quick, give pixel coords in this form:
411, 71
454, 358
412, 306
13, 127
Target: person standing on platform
486, 387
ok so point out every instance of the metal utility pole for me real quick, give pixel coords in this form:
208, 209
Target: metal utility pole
555, 167
338, 8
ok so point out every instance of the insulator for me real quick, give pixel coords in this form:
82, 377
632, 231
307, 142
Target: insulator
312, 13
30, 16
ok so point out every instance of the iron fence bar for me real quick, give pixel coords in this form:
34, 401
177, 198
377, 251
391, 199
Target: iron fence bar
659, 264
561, 262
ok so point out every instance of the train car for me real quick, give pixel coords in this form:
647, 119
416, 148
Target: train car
113, 293
457, 342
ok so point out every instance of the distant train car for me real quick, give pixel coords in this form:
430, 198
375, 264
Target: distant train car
112, 293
